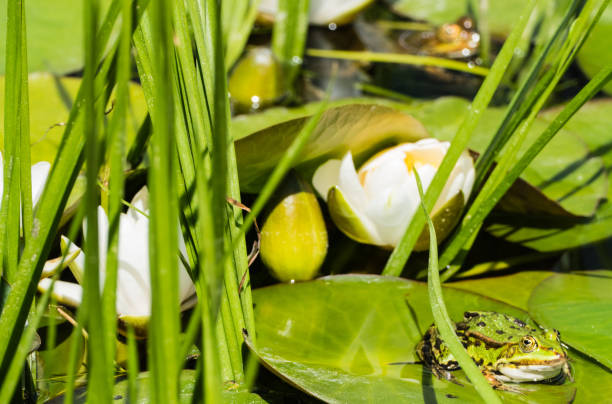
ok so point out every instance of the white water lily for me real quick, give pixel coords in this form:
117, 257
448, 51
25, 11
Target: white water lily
133, 302
322, 12
40, 172
375, 204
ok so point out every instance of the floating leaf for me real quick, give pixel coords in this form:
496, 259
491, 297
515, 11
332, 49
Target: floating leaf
565, 170
50, 102
54, 34
187, 384
360, 128
579, 306
336, 338
502, 14
592, 125
512, 289
595, 53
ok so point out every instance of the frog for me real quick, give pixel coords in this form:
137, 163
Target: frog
458, 40
505, 348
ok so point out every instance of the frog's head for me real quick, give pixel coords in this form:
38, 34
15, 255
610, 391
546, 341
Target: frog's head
535, 357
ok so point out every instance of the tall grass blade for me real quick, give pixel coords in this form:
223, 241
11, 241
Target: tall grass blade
116, 142
289, 36
463, 239
163, 243
99, 389
440, 314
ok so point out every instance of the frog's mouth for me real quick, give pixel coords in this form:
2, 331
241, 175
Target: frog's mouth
532, 371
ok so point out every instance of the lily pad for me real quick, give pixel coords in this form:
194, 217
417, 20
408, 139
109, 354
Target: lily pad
50, 102
502, 14
592, 125
565, 171
187, 384
54, 35
337, 337
362, 128
512, 289
579, 306
595, 53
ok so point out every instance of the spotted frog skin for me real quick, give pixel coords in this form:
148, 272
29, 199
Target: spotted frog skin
505, 348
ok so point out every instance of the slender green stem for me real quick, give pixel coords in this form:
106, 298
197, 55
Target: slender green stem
163, 225
441, 318
132, 366
117, 162
289, 36
398, 58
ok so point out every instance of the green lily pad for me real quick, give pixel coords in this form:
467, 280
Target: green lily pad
502, 14
512, 289
361, 128
51, 364
578, 305
594, 380
565, 171
50, 101
54, 35
336, 337
592, 125
187, 384
595, 53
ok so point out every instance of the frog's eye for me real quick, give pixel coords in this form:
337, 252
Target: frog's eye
528, 344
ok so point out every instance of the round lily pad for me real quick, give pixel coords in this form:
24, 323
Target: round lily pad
579, 305
338, 338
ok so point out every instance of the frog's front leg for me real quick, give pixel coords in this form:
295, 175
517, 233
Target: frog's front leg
498, 384
444, 374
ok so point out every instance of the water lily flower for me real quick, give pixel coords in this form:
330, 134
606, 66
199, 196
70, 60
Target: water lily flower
133, 302
40, 172
321, 12
375, 204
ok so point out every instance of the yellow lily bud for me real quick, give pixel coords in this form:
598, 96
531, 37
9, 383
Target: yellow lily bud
294, 236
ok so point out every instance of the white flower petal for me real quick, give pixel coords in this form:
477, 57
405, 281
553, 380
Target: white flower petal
77, 266
326, 177
391, 202
103, 228
40, 173
64, 292
140, 205
56, 265
348, 182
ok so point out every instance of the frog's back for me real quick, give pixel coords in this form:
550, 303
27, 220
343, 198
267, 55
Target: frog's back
496, 327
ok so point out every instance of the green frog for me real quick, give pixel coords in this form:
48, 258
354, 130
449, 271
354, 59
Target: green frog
505, 348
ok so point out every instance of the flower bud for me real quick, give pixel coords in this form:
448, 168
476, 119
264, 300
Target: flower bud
256, 81
294, 236
376, 204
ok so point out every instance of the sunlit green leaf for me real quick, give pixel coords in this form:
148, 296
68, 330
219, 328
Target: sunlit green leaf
187, 381
54, 32
502, 14
592, 125
357, 127
336, 338
578, 305
512, 289
595, 53
50, 101
565, 170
